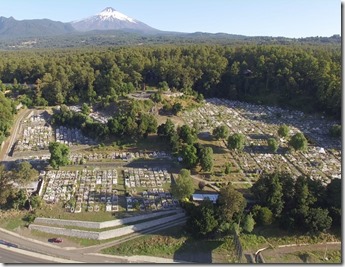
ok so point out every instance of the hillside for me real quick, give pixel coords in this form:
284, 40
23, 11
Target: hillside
12, 28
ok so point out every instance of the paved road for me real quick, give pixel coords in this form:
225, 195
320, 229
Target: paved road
11, 256
83, 255
14, 131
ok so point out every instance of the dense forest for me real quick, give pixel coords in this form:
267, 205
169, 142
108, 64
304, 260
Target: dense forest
123, 37
305, 77
7, 110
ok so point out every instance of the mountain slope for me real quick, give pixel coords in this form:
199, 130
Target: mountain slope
10, 27
110, 19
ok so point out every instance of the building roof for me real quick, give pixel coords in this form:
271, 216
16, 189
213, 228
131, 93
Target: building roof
201, 197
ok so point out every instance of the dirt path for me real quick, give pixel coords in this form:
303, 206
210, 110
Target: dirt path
286, 254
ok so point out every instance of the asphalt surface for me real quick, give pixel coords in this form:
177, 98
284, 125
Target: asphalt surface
11, 256
82, 255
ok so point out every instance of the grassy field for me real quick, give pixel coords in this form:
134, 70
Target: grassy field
306, 256
274, 236
12, 219
175, 243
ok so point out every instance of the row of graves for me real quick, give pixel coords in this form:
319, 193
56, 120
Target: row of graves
36, 133
76, 158
96, 188
152, 201
151, 179
96, 115
258, 123
61, 185
91, 189
151, 182
72, 136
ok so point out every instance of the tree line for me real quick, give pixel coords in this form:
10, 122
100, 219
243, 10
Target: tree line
209, 218
131, 120
301, 204
287, 75
7, 111
14, 193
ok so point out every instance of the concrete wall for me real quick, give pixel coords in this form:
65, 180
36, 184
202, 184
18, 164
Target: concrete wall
105, 234
101, 225
137, 227
94, 225
66, 232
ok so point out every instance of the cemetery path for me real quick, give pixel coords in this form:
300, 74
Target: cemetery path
8, 144
206, 182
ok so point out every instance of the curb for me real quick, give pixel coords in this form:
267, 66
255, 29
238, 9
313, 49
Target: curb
38, 255
34, 240
140, 258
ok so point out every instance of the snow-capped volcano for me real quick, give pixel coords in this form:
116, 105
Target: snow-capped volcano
110, 19
111, 14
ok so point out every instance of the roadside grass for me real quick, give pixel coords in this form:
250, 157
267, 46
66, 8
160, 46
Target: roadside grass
306, 256
79, 241
274, 236
11, 220
176, 243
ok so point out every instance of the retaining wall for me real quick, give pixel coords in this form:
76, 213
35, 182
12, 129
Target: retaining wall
101, 225
105, 234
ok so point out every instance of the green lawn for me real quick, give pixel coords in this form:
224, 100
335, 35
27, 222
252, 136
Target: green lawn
177, 244
273, 235
305, 256
11, 220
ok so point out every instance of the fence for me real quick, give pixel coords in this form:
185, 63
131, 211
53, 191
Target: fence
238, 247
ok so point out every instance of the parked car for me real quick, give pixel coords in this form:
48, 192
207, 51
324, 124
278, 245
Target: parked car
55, 240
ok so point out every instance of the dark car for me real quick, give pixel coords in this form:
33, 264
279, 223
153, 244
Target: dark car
55, 240
8, 244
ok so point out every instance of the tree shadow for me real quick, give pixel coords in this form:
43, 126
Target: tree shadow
304, 256
150, 163
259, 136
265, 150
286, 115
217, 149
250, 258
206, 136
194, 252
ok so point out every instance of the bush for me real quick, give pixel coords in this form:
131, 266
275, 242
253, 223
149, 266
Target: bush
29, 218
272, 144
248, 224
262, 215
236, 141
202, 185
283, 131
299, 142
227, 168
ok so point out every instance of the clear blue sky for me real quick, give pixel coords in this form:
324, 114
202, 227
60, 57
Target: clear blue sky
289, 18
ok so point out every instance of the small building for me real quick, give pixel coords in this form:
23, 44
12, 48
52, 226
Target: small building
201, 197
31, 188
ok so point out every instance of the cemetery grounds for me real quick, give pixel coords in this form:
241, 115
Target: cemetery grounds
99, 177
